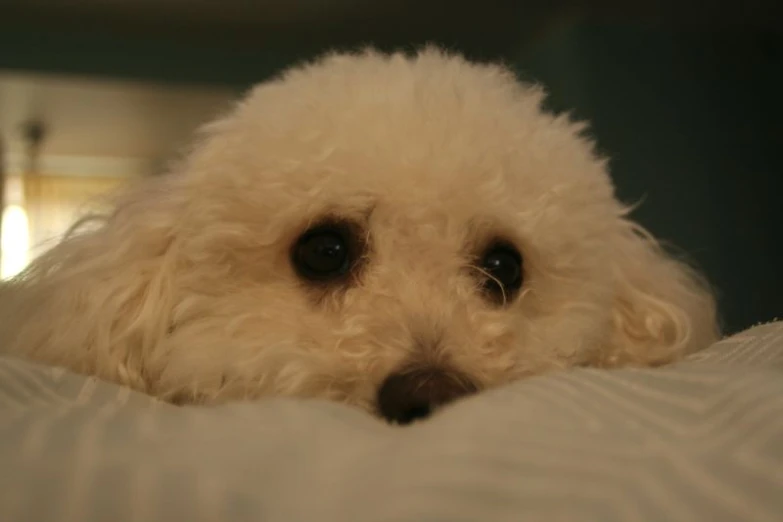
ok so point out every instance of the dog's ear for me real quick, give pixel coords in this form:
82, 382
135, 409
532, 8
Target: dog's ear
100, 301
662, 308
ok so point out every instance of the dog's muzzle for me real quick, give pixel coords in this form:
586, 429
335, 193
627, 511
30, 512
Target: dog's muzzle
414, 394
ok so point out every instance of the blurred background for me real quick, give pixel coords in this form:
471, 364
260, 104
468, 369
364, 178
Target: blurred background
685, 97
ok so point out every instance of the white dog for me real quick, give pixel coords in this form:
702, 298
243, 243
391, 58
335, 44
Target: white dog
390, 232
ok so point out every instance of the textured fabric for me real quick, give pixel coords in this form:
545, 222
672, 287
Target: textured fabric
700, 440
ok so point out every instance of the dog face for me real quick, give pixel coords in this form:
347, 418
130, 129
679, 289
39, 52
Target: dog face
384, 231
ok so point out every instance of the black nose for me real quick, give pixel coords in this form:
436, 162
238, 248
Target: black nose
414, 394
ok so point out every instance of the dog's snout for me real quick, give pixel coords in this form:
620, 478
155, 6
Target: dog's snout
414, 394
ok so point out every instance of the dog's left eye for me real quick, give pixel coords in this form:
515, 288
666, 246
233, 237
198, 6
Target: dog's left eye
502, 263
323, 253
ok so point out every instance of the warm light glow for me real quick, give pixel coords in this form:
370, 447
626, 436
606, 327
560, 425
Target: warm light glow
15, 242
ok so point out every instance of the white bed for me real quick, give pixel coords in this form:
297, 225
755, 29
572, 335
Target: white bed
700, 440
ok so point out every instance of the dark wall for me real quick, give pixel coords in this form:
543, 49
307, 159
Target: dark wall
693, 123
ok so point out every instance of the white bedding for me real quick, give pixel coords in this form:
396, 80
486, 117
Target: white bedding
700, 440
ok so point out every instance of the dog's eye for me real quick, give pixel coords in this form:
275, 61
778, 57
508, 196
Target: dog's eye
323, 253
502, 263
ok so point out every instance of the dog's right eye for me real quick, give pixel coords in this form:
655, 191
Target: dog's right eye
323, 253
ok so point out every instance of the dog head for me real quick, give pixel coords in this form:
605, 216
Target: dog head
387, 231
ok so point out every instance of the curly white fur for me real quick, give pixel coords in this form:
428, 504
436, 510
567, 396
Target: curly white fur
186, 291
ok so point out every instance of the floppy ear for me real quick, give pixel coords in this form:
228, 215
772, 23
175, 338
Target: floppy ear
100, 301
662, 309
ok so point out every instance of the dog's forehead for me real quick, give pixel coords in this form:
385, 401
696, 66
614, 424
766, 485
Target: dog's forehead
416, 137
433, 119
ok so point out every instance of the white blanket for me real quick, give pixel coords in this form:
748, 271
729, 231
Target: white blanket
700, 440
